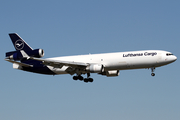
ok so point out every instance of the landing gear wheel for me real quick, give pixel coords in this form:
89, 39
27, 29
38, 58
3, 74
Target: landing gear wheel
86, 80
152, 74
80, 77
90, 80
75, 77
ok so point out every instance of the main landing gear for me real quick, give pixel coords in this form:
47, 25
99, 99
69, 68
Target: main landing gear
79, 77
152, 70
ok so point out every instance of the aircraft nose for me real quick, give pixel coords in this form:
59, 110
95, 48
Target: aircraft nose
175, 58
171, 59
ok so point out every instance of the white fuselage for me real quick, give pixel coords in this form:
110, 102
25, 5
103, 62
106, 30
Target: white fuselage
120, 60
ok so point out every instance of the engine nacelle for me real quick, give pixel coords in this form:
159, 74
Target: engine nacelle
95, 68
37, 53
112, 73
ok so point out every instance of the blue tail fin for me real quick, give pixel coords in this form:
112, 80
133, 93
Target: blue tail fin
19, 43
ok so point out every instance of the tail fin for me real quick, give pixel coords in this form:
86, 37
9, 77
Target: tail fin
19, 43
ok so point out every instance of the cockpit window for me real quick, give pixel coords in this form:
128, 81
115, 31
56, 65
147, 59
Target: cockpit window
168, 54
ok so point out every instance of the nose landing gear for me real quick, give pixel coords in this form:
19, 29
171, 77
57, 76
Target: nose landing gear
152, 70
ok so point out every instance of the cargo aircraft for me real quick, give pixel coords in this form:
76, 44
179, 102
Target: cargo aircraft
108, 64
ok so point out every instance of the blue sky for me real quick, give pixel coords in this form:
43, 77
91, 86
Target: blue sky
67, 27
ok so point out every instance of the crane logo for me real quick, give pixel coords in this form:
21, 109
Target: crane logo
19, 44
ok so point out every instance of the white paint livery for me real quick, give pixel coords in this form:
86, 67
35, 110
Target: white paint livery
120, 60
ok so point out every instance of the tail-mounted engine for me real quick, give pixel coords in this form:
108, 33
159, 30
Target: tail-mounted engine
16, 55
37, 53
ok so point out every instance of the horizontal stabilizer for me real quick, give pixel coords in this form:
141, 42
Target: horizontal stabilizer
21, 64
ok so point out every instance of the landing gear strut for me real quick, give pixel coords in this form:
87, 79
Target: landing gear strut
79, 77
152, 70
88, 79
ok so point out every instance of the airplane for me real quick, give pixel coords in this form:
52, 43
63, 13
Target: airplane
108, 64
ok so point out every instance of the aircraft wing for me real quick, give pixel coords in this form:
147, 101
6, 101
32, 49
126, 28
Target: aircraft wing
57, 63
60, 64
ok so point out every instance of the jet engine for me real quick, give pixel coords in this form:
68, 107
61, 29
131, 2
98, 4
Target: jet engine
37, 53
16, 55
95, 68
111, 73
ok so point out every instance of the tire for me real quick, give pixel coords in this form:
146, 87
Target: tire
152, 74
86, 80
75, 77
90, 80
